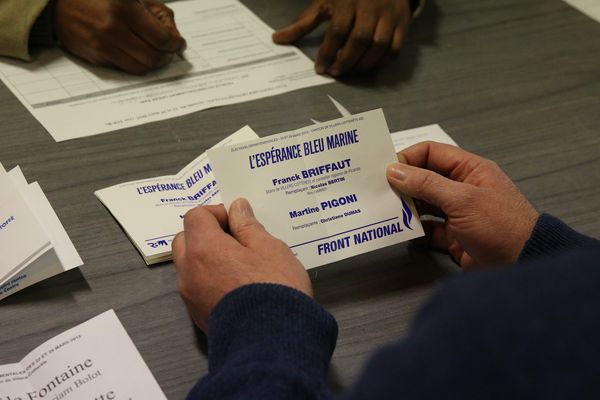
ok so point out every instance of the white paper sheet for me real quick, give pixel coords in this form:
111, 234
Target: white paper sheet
591, 8
230, 59
321, 189
95, 360
151, 210
22, 238
33, 242
407, 138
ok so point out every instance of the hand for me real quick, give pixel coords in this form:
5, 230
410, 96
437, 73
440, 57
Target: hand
487, 219
118, 33
362, 34
211, 262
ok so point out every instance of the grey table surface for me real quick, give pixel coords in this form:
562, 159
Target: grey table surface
515, 81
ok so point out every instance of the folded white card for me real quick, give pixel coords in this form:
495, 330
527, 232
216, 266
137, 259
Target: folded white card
33, 242
321, 189
151, 210
407, 138
94, 360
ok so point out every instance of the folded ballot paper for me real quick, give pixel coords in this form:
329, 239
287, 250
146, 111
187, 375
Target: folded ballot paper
33, 242
151, 211
321, 189
94, 360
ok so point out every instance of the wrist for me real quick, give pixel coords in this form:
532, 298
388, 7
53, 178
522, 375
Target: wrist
550, 235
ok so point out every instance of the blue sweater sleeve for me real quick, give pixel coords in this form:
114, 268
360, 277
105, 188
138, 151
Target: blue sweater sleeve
550, 236
267, 342
483, 335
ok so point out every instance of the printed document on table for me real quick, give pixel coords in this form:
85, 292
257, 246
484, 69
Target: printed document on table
22, 238
321, 189
591, 8
230, 59
151, 210
434, 133
94, 360
33, 242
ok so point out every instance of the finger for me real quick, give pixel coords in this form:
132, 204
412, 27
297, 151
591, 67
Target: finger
178, 249
382, 40
167, 17
424, 208
401, 158
153, 31
439, 157
115, 57
396, 46
426, 185
244, 226
220, 214
142, 52
398, 40
357, 44
306, 22
436, 235
202, 230
335, 37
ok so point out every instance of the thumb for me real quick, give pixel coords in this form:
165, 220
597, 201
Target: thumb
244, 226
306, 23
425, 185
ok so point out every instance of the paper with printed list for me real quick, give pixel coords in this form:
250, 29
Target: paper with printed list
321, 189
33, 242
95, 360
151, 210
230, 58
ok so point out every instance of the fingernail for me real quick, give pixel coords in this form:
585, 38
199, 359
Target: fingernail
334, 72
320, 69
242, 208
397, 173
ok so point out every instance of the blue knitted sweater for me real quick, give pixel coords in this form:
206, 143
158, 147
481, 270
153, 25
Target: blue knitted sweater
530, 331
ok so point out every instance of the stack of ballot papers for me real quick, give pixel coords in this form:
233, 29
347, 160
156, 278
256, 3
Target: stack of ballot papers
33, 242
151, 211
95, 360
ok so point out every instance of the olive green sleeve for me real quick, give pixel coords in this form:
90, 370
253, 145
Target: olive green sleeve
16, 20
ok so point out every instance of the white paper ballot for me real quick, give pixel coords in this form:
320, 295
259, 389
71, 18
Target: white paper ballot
407, 138
591, 8
33, 243
151, 210
230, 59
321, 189
95, 360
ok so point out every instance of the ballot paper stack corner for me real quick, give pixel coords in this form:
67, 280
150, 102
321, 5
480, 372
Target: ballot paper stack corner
33, 243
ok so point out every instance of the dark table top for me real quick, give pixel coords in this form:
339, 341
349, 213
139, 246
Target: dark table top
515, 81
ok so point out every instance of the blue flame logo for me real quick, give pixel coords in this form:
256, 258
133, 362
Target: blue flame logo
407, 215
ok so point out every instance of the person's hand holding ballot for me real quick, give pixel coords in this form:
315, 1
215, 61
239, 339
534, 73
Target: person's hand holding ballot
136, 36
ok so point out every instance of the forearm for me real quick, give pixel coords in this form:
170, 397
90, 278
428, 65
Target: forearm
551, 235
268, 341
17, 17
